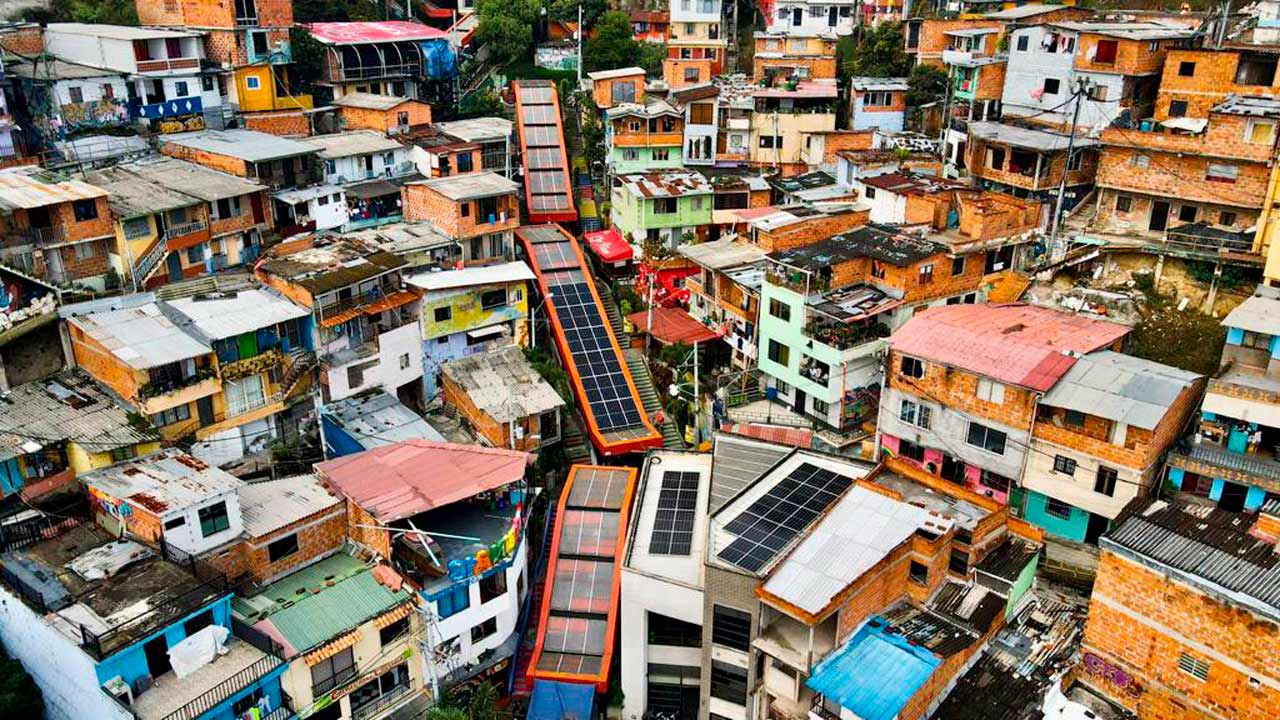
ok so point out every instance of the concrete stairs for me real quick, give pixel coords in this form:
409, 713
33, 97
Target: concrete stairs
649, 396
611, 310
574, 440
521, 684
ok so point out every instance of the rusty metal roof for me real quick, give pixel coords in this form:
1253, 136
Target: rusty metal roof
30, 187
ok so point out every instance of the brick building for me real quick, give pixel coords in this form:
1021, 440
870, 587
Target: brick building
56, 227
387, 114
963, 383
1098, 440
1183, 622
478, 210
876, 104
504, 399
793, 55
289, 524
641, 137
1028, 162
617, 87
278, 162
1194, 80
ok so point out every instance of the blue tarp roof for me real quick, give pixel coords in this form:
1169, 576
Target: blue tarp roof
561, 701
874, 674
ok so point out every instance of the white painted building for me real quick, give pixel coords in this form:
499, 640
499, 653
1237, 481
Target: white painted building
817, 16
359, 155
393, 361
324, 205
662, 587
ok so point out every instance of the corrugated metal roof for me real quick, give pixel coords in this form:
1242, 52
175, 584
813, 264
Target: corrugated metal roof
471, 276
478, 129
1260, 313
618, 73
875, 673
268, 506
230, 314
353, 142
1120, 387
410, 477
137, 334
354, 33
249, 145
163, 481
1029, 138
855, 534
333, 264
328, 608
369, 101
722, 254
737, 463
669, 183
29, 187
378, 419
68, 405
191, 179
503, 384
1018, 344
1212, 546
132, 196
471, 186
119, 32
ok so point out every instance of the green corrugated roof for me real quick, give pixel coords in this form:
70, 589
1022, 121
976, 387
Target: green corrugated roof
307, 611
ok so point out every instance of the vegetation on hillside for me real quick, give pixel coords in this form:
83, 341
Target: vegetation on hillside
1186, 339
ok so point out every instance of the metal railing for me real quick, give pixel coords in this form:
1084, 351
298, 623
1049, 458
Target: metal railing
368, 72
149, 261
194, 226
145, 66
225, 689
384, 701
103, 644
45, 235
253, 404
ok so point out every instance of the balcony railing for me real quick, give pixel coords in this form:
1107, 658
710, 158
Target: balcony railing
156, 389
45, 236
225, 689
185, 229
146, 66
369, 72
385, 701
103, 644
253, 404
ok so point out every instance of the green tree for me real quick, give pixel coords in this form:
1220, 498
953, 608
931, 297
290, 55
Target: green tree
19, 695
879, 54
108, 12
308, 58
506, 27
612, 46
567, 10
926, 84
444, 712
651, 57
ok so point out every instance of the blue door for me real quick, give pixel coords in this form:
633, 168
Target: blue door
175, 267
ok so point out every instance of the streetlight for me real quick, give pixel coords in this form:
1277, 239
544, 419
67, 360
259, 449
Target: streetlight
533, 321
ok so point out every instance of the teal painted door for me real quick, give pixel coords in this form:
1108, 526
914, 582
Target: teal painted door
1238, 441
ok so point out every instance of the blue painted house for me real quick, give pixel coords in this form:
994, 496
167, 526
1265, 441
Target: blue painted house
110, 629
369, 420
1232, 455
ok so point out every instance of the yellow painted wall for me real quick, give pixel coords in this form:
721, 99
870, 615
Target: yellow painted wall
261, 98
83, 461
467, 313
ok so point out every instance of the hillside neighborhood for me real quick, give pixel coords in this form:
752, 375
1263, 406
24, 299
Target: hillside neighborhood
639, 360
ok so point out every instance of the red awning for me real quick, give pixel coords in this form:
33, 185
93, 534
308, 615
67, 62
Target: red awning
608, 245
673, 325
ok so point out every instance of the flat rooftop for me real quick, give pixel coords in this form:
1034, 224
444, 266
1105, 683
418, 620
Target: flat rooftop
471, 186
333, 265
377, 418
668, 522
248, 145
877, 242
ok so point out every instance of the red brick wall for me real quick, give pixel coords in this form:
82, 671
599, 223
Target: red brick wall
957, 388
808, 232
422, 203
1182, 177
1133, 57
23, 41
1213, 78
318, 535
96, 360
224, 163
1143, 621
279, 123
385, 120
673, 71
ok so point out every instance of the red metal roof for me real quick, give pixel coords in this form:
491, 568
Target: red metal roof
608, 245
401, 480
351, 33
789, 436
673, 325
1018, 344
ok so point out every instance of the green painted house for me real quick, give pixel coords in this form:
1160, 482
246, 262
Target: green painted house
643, 138
664, 206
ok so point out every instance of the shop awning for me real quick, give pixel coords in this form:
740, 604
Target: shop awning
673, 325
609, 246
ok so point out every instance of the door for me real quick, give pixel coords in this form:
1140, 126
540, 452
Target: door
368, 166
157, 652
1233, 495
204, 408
832, 16
1159, 216
797, 17
175, 267
259, 215
801, 402
1097, 525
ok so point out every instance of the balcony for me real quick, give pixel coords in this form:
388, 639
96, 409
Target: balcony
372, 72
653, 139
256, 365
45, 236
180, 237
191, 105
278, 53
157, 398
169, 65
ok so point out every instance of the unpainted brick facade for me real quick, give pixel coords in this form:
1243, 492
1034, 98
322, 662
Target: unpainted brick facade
810, 230
420, 202
1202, 78
286, 124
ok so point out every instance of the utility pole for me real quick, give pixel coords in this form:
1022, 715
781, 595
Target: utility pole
579, 34
1081, 94
1222, 26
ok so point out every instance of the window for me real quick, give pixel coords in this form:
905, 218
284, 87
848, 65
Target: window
1022, 43
992, 481
989, 439
1057, 508
781, 387
770, 141
630, 154
77, 94
780, 310
959, 562
1221, 172
109, 91
1074, 418
1187, 213
779, 353
730, 628
85, 209
926, 274
453, 601
252, 83
1106, 52
691, 74
1075, 161
661, 154
990, 391
1226, 218
957, 266
488, 628
912, 367
181, 89
919, 573
492, 299
282, 548
1124, 203
1256, 340
332, 672
870, 193
195, 254
392, 632
493, 586
1260, 132
665, 206
443, 314
244, 394
175, 523
206, 83
85, 250
820, 407
213, 519
135, 228
665, 630
1052, 85
919, 415
1064, 465
1186, 69
173, 415
1177, 108
995, 158
1196, 668
404, 361
728, 682
1106, 481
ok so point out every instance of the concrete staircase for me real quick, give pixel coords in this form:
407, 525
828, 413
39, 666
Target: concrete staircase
611, 310
649, 396
575, 442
